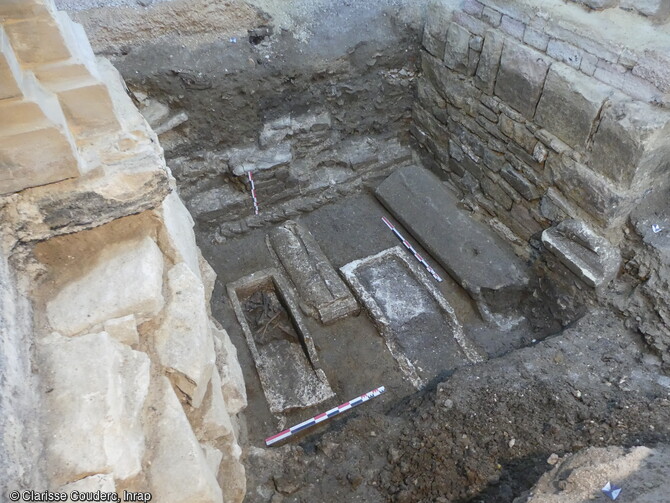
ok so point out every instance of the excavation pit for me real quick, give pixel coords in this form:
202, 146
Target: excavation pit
341, 113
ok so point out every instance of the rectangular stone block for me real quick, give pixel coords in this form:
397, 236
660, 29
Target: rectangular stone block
89, 110
14, 10
570, 105
128, 279
659, 10
438, 17
634, 86
178, 471
457, 48
489, 61
564, 52
10, 71
589, 64
473, 7
536, 39
520, 183
631, 145
37, 40
472, 24
491, 16
484, 265
590, 191
183, 340
512, 27
521, 77
598, 4
94, 410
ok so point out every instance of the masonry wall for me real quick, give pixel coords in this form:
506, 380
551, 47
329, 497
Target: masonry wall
113, 373
540, 113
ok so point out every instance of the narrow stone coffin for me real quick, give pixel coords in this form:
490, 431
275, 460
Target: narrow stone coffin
418, 324
279, 341
322, 291
474, 256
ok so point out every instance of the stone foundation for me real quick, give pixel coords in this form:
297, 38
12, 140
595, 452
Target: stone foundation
134, 387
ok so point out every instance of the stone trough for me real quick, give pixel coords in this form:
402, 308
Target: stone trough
279, 341
419, 326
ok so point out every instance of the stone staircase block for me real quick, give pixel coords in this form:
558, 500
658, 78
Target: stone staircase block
10, 71
36, 158
37, 40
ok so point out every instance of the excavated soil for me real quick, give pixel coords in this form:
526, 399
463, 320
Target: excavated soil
485, 433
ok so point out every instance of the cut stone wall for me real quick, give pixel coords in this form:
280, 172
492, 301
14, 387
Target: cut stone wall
533, 127
552, 129
116, 375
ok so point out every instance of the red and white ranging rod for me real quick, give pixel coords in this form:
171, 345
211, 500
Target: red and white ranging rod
411, 248
253, 192
324, 416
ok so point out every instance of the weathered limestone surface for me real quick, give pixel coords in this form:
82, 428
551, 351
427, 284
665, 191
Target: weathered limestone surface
94, 483
97, 389
21, 445
179, 227
570, 105
521, 77
232, 381
212, 420
76, 155
123, 329
322, 291
179, 472
589, 256
472, 254
630, 145
127, 280
183, 341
